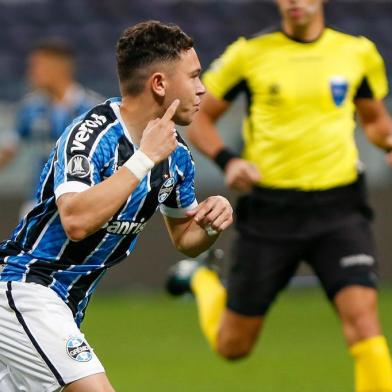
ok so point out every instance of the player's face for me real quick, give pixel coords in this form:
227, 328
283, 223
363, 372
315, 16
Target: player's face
43, 69
185, 84
300, 12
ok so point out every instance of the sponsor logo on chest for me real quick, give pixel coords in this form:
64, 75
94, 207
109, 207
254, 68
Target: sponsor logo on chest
124, 227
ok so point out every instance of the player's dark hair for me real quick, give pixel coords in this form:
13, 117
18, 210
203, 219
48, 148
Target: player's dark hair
55, 46
145, 44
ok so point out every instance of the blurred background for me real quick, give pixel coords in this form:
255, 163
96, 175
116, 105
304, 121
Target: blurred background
93, 27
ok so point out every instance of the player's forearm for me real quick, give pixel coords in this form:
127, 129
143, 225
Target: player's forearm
195, 240
82, 214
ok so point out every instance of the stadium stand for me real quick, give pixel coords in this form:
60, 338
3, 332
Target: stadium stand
95, 26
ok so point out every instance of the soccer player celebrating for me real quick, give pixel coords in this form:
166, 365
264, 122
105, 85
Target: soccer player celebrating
305, 193
109, 172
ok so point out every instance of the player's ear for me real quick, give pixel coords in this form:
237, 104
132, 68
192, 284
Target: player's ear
158, 84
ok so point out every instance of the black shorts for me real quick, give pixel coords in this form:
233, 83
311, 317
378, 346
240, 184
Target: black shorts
277, 229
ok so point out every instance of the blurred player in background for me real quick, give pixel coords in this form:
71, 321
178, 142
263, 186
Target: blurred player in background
110, 171
305, 196
56, 99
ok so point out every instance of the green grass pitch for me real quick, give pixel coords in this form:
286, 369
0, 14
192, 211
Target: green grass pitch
152, 343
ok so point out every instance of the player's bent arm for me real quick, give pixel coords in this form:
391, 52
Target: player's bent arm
82, 214
188, 238
195, 233
203, 132
376, 122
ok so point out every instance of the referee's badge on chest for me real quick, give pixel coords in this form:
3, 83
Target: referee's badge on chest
166, 189
339, 89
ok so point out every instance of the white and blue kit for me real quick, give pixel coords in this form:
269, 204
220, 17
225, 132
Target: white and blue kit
91, 149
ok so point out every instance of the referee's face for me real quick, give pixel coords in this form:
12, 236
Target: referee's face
184, 83
300, 12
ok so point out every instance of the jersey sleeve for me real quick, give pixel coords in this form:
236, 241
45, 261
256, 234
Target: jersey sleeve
374, 83
225, 77
182, 198
82, 154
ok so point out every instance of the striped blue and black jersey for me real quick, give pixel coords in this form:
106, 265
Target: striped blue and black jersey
90, 150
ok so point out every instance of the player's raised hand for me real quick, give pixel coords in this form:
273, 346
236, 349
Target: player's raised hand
159, 137
214, 214
241, 175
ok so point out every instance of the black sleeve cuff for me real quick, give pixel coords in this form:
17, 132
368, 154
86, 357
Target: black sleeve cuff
223, 157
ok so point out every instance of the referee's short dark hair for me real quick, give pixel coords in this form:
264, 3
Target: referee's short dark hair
145, 44
55, 46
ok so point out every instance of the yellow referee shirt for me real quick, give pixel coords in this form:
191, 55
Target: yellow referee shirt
300, 123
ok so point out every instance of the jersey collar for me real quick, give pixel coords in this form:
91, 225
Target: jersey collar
291, 38
116, 109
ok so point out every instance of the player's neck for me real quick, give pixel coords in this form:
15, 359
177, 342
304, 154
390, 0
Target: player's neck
136, 112
305, 33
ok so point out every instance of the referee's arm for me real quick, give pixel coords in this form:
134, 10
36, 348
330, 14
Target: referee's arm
377, 123
203, 133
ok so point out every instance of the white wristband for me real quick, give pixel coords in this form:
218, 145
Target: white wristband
139, 164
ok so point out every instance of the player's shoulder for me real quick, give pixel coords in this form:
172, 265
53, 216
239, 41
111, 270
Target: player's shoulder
265, 34
99, 116
91, 127
359, 42
244, 46
264, 37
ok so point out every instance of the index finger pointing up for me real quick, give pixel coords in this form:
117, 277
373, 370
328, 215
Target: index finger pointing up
170, 111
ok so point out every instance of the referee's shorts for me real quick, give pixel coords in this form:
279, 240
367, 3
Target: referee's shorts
277, 229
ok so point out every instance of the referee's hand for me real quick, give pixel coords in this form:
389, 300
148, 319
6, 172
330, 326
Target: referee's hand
241, 175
